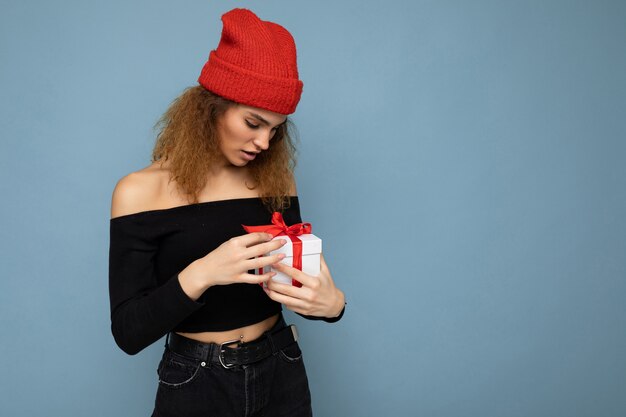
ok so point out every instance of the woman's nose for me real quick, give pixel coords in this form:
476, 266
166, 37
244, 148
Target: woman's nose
262, 140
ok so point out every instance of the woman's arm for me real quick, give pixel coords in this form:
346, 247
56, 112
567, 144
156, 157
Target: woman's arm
142, 311
320, 300
318, 296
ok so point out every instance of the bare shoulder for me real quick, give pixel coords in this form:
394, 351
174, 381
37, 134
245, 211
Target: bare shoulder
292, 186
138, 191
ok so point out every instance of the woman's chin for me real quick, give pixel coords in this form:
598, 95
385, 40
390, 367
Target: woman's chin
238, 163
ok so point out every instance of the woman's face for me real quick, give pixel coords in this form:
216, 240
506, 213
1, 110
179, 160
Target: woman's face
246, 131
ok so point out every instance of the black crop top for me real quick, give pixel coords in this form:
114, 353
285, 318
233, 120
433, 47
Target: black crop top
147, 251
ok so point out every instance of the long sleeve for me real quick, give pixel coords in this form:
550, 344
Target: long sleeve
142, 311
326, 319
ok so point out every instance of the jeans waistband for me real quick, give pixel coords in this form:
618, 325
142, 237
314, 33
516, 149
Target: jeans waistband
273, 340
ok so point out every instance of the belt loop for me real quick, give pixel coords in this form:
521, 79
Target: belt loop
272, 345
209, 356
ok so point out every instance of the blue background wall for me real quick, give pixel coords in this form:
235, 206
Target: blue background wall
463, 162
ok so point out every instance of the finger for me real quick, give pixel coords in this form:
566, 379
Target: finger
263, 248
252, 239
263, 261
289, 302
247, 278
325, 272
305, 279
323, 266
285, 289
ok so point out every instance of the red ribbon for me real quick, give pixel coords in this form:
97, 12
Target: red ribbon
279, 228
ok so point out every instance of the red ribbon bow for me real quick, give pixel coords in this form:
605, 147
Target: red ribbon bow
278, 228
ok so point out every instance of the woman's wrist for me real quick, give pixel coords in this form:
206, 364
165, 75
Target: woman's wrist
340, 304
192, 281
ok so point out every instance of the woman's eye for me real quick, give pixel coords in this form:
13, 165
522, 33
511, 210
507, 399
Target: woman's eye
251, 125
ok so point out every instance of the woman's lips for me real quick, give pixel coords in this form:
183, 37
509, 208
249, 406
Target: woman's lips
248, 155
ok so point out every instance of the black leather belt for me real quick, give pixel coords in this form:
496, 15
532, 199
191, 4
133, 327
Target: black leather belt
242, 354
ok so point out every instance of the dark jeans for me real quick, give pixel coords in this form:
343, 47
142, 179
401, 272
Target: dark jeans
273, 387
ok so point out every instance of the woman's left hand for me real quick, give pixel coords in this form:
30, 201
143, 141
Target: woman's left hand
318, 295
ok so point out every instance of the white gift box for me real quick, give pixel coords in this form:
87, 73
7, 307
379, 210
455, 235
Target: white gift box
311, 250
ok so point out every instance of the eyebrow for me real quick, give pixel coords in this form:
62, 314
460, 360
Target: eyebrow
262, 120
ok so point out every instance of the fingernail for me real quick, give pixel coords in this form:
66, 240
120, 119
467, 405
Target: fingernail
282, 255
269, 237
284, 241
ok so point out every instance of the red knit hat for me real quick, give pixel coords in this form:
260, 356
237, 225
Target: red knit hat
254, 64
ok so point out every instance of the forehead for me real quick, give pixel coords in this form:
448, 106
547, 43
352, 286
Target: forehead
272, 117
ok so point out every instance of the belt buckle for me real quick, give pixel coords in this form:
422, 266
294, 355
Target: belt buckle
221, 354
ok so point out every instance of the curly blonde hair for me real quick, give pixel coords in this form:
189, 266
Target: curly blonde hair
188, 139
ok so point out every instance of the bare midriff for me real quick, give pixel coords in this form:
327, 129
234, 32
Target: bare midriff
243, 334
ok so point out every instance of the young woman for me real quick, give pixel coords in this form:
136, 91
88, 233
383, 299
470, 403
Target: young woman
181, 264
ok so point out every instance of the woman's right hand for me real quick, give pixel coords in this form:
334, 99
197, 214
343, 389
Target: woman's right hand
230, 262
